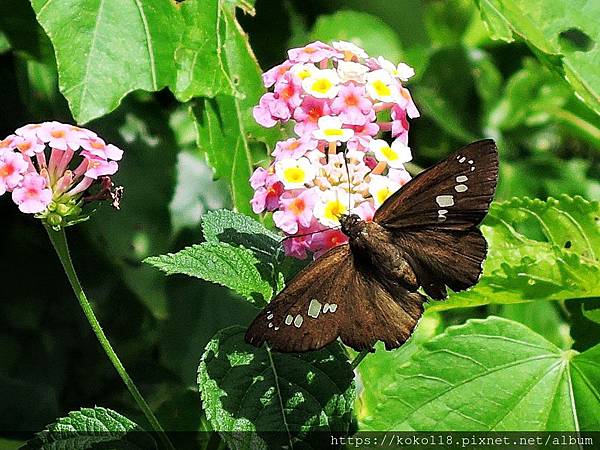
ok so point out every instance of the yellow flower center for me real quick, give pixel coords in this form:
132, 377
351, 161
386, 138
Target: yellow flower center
333, 132
381, 88
334, 209
293, 175
389, 154
57, 134
322, 86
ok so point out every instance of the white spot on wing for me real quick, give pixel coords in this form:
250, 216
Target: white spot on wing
470, 161
270, 316
461, 179
270, 324
461, 187
444, 200
472, 168
298, 321
314, 308
462, 160
333, 307
289, 319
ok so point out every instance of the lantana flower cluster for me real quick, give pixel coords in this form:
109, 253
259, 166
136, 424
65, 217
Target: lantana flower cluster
49, 168
349, 113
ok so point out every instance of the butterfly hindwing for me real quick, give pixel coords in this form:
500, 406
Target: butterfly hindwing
336, 296
440, 259
454, 194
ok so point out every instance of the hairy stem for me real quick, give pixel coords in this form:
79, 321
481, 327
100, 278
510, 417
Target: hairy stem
59, 241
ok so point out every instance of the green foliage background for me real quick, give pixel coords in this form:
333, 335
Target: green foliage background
174, 86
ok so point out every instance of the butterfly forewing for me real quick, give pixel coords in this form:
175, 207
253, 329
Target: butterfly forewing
455, 194
335, 296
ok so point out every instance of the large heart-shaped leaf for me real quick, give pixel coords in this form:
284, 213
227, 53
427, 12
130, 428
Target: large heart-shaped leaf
106, 49
488, 375
256, 392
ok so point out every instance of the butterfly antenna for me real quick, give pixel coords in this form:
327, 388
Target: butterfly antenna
309, 234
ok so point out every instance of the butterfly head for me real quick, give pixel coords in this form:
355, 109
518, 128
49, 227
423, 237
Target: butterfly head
352, 225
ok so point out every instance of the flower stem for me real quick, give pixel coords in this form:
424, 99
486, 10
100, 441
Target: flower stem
356, 361
59, 242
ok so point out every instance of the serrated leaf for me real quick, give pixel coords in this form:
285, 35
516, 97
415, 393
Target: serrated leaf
565, 33
223, 225
537, 250
92, 427
238, 229
490, 375
224, 264
256, 392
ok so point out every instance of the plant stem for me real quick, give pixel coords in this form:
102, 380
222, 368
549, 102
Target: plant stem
359, 358
59, 241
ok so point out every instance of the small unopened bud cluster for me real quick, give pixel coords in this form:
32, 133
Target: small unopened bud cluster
52, 169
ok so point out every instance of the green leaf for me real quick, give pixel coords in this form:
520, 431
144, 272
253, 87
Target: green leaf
537, 250
565, 34
380, 40
254, 390
107, 49
376, 372
221, 225
89, 427
533, 97
240, 230
491, 375
233, 267
225, 125
201, 70
166, 45
542, 317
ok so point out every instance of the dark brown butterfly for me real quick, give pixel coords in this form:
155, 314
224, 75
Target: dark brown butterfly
425, 235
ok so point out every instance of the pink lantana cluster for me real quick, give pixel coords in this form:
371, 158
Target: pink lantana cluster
50, 168
350, 119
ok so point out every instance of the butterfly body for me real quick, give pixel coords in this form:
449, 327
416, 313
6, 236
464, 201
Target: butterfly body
424, 236
372, 245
